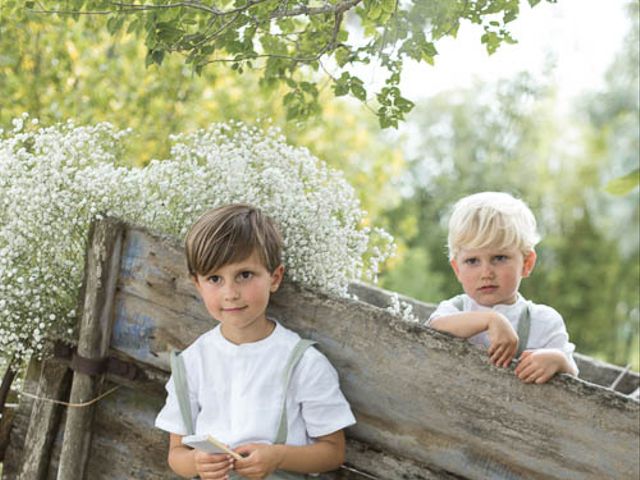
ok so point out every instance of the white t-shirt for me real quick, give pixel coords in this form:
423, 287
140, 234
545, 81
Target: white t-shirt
547, 328
236, 391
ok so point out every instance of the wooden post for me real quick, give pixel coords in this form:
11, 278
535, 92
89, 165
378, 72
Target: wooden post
101, 271
45, 416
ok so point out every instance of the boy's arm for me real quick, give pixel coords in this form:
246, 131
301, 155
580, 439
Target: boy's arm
538, 366
464, 324
503, 338
188, 462
327, 453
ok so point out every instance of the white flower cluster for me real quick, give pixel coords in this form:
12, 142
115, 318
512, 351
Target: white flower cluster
401, 309
54, 181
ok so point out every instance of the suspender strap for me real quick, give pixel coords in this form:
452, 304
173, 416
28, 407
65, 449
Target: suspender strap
524, 324
182, 390
294, 358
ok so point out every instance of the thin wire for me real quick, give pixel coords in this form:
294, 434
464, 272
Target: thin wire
73, 405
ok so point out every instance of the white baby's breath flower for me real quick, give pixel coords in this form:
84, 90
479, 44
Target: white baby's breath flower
401, 309
55, 180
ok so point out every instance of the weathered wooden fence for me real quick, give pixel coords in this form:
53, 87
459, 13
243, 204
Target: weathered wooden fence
429, 406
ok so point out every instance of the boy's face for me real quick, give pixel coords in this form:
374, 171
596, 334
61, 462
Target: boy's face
237, 295
492, 276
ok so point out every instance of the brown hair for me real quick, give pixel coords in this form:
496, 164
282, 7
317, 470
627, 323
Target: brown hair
230, 234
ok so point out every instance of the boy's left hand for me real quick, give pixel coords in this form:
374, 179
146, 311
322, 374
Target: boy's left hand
260, 460
538, 366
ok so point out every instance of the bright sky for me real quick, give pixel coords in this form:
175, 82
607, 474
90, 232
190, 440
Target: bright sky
579, 37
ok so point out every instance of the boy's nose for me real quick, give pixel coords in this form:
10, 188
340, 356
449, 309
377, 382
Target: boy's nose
231, 293
487, 271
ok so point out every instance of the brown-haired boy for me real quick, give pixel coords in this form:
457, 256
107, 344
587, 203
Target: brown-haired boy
234, 372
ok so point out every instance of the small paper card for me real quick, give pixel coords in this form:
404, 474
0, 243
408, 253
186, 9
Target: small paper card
208, 444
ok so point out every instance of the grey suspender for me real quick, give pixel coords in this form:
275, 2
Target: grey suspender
294, 358
182, 390
524, 324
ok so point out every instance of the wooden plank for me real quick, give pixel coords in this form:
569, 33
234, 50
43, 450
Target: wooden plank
605, 374
591, 370
101, 272
434, 399
55, 379
381, 298
125, 443
419, 395
6, 421
15, 450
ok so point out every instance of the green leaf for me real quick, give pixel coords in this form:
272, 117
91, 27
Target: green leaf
148, 60
111, 25
168, 33
341, 85
358, 90
158, 56
342, 56
133, 26
625, 184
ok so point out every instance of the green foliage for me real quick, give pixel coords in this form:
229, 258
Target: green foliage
60, 69
284, 40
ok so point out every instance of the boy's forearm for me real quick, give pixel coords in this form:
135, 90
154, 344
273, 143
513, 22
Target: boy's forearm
464, 325
182, 461
325, 455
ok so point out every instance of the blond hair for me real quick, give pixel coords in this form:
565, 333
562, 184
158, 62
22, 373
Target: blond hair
230, 234
491, 219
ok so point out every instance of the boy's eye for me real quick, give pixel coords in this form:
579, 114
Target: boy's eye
501, 258
245, 275
214, 279
471, 261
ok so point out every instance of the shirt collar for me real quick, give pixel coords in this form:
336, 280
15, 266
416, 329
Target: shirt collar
503, 308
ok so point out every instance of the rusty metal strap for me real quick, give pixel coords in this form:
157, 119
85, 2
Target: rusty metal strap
88, 366
97, 366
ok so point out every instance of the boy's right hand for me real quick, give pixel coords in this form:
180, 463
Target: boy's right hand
503, 340
212, 466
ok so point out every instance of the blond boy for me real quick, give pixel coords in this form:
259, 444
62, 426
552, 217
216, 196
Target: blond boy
234, 372
491, 243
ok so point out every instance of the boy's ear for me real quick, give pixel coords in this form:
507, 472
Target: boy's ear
454, 265
276, 278
529, 263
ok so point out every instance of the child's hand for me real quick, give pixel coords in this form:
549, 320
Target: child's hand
261, 460
504, 340
212, 466
539, 365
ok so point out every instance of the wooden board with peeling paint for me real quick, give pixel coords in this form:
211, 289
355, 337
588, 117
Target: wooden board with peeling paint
429, 406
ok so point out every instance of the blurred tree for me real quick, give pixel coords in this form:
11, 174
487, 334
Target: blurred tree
613, 134
285, 41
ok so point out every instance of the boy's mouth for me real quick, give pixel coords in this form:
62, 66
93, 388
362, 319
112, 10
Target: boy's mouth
488, 288
233, 309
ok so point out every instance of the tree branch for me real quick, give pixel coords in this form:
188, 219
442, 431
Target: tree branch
129, 8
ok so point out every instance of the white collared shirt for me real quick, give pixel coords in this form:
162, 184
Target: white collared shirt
547, 328
236, 391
